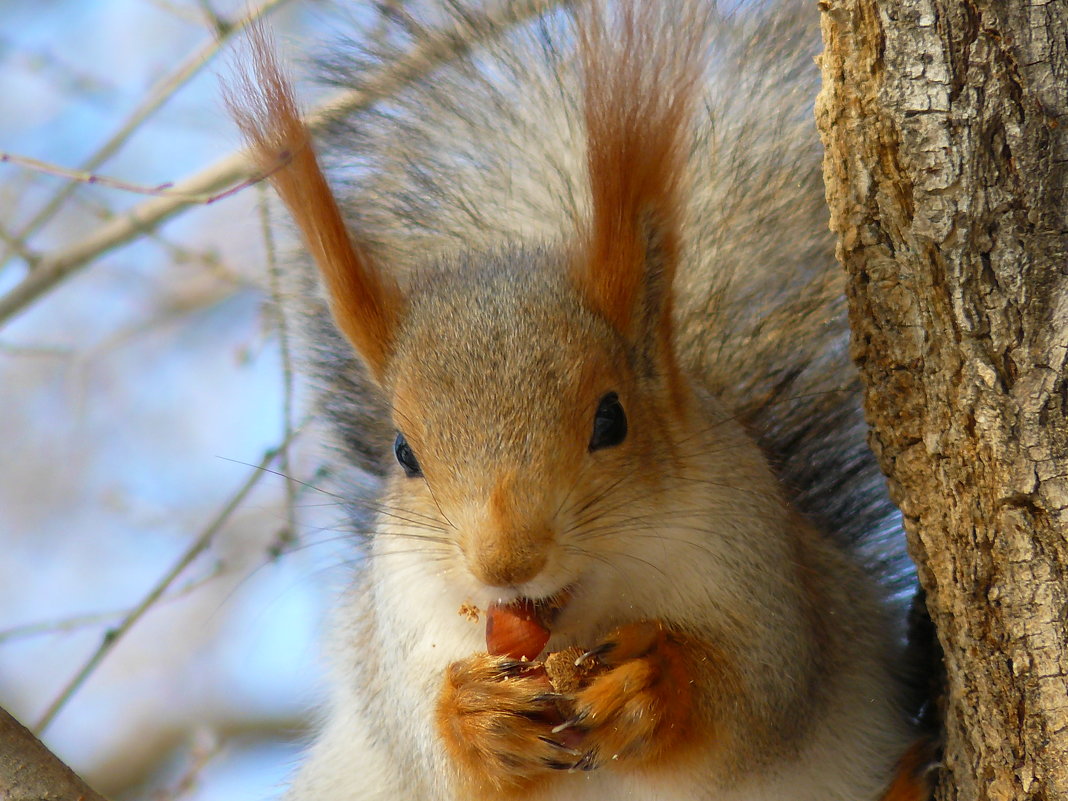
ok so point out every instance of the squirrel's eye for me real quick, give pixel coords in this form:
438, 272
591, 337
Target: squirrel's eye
609, 424
405, 456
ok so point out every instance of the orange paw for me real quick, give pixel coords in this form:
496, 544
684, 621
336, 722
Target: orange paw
496, 716
640, 707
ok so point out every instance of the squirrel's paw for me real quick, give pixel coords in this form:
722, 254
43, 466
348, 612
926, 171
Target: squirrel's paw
496, 716
641, 705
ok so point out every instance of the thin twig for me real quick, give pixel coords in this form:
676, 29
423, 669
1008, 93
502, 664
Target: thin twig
163, 92
75, 622
274, 283
437, 48
92, 178
207, 746
52, 269
15, 246
52, 626
178, 11
198, 546
208, 259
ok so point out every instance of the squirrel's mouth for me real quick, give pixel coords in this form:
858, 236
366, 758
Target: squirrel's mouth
521, 628
548, 609
544, 610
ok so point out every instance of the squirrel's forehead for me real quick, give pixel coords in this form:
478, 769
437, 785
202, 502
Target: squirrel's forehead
485, 354
507, 328
493, 362
490, 373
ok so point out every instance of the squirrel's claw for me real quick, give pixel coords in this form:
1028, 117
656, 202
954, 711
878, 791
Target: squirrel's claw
576, 721
508, 668
595, 653
642, 703
561, 746
587, 763
495, 716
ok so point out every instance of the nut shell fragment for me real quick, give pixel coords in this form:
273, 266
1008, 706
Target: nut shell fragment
565, 675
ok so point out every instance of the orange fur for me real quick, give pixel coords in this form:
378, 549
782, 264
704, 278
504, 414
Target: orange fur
641, 709
492, 718
514, 546
912, 780
499, 719
366, 304
638, 103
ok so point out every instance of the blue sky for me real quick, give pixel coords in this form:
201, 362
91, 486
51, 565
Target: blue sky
134, 399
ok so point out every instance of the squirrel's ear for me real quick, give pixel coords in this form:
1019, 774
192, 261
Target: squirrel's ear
638, 102
366, 303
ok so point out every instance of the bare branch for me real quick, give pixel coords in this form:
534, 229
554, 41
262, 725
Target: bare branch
163, 92
30, 772
71, 623
86, 177
200, 544
437, 48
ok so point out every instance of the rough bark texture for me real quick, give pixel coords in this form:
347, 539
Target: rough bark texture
946, 130
30, 772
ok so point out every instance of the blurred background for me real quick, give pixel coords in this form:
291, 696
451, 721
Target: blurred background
138, 400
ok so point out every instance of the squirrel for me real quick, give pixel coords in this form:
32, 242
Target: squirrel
587, 332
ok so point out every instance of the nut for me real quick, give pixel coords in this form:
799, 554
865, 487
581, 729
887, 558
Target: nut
514, 630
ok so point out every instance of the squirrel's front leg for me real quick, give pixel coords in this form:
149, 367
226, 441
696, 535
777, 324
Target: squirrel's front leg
497, 717
506, 728
640, 707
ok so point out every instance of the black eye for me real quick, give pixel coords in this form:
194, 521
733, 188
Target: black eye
609, 424
405, 456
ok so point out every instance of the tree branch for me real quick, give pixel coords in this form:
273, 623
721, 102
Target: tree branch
162, 93
198, 546
439, 47
30, 772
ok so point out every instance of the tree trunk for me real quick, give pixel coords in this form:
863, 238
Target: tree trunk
946, 131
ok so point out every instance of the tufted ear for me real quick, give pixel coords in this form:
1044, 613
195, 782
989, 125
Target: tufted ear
639, 97
366, 304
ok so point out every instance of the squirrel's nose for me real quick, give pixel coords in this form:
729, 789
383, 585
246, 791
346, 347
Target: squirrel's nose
510, 557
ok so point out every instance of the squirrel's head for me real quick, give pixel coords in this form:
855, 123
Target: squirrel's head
534, 391
517, 405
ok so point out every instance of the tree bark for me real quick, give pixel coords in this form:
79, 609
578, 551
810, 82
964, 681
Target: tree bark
30, 772
945, 124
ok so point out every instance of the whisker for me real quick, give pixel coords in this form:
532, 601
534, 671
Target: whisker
608, 559
419, 537
390, 516
273, 472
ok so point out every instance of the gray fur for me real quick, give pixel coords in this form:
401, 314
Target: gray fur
486, 153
